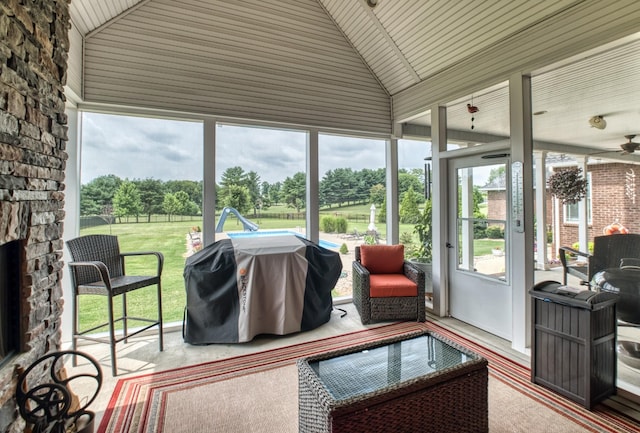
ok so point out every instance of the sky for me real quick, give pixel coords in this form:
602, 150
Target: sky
141, 148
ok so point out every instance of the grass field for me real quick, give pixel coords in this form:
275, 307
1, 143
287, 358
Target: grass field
170, 239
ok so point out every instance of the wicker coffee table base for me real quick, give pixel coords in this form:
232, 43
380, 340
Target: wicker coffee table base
452, 400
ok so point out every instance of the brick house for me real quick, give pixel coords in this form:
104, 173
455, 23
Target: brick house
613, 196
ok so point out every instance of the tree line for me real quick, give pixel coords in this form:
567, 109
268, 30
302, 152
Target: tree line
244, 191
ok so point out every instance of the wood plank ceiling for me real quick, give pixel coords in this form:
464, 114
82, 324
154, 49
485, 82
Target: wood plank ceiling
405, 42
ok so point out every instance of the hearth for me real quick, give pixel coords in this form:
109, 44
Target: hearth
9, 300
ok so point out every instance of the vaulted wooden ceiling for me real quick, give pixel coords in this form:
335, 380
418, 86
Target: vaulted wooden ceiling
376, 57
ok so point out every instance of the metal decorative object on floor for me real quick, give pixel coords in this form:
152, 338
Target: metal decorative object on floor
52, 407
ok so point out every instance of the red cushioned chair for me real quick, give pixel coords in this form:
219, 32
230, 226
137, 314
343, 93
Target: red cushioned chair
385, 286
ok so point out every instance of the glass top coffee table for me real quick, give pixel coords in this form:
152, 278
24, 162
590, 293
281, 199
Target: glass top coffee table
415, 382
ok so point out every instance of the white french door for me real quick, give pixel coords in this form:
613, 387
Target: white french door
478, 243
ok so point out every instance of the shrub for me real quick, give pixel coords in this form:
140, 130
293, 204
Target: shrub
406, 238
341, 225
576, 246
480, 229
370, 239
495, 232
344, 249
424, 252
328, 224
410, 248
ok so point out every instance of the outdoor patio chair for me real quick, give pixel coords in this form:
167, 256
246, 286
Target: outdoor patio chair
608, 251
98, 268
385, 286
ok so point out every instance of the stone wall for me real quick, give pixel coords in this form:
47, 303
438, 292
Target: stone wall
33, 61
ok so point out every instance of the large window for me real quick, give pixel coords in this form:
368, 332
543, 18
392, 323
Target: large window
414, 187
261, 173
352, 191
141, 179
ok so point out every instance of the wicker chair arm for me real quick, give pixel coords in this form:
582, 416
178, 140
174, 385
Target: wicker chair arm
357, 267
411, 271
361, 283
572, 251
159, 257
416, 275
564, 251
99, 266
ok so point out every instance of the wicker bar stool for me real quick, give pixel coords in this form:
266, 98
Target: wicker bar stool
98, 268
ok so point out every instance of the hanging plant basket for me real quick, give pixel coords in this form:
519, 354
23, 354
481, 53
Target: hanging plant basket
568, 185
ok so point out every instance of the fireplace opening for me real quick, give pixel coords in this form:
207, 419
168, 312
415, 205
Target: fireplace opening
9, 300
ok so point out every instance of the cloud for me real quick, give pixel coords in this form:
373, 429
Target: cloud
140, 148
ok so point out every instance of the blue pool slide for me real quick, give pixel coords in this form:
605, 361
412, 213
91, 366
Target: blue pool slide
246, 224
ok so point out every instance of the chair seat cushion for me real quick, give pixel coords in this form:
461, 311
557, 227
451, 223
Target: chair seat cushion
391, 285
382, 259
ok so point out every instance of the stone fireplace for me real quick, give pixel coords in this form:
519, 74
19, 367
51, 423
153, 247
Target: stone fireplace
33, 134
9, 298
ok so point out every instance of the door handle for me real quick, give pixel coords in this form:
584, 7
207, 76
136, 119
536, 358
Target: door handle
448, 245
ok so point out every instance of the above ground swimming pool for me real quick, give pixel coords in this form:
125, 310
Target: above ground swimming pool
261, 233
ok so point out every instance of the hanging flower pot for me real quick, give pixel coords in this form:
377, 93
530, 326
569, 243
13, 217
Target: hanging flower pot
568, 185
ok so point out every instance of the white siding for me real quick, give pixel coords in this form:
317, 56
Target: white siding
426, 37
279, 61
359, 24
585, 26
87, 15
74, 64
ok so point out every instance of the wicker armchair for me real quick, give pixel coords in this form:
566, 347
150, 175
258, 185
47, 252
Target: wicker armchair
608, 251
396, 291
98, 268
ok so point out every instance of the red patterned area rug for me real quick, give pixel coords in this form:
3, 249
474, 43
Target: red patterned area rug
258, 393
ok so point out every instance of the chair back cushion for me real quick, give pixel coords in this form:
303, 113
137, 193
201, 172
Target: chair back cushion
382, 259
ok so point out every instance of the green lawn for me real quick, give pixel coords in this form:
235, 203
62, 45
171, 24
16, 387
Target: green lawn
170, 239
483, 247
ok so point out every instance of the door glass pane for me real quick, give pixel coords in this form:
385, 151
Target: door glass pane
481, 220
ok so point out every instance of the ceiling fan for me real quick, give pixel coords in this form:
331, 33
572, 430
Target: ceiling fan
629, 146
625, 148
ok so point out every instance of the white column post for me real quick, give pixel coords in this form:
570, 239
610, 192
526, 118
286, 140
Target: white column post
209, 183
313, 188
542, 261
393, 222
71, 208
583, 217
440, 205
521, 257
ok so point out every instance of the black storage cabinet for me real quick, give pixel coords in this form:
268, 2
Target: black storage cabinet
573, 347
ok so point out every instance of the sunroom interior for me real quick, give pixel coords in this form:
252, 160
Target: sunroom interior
383, 71
358, 70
